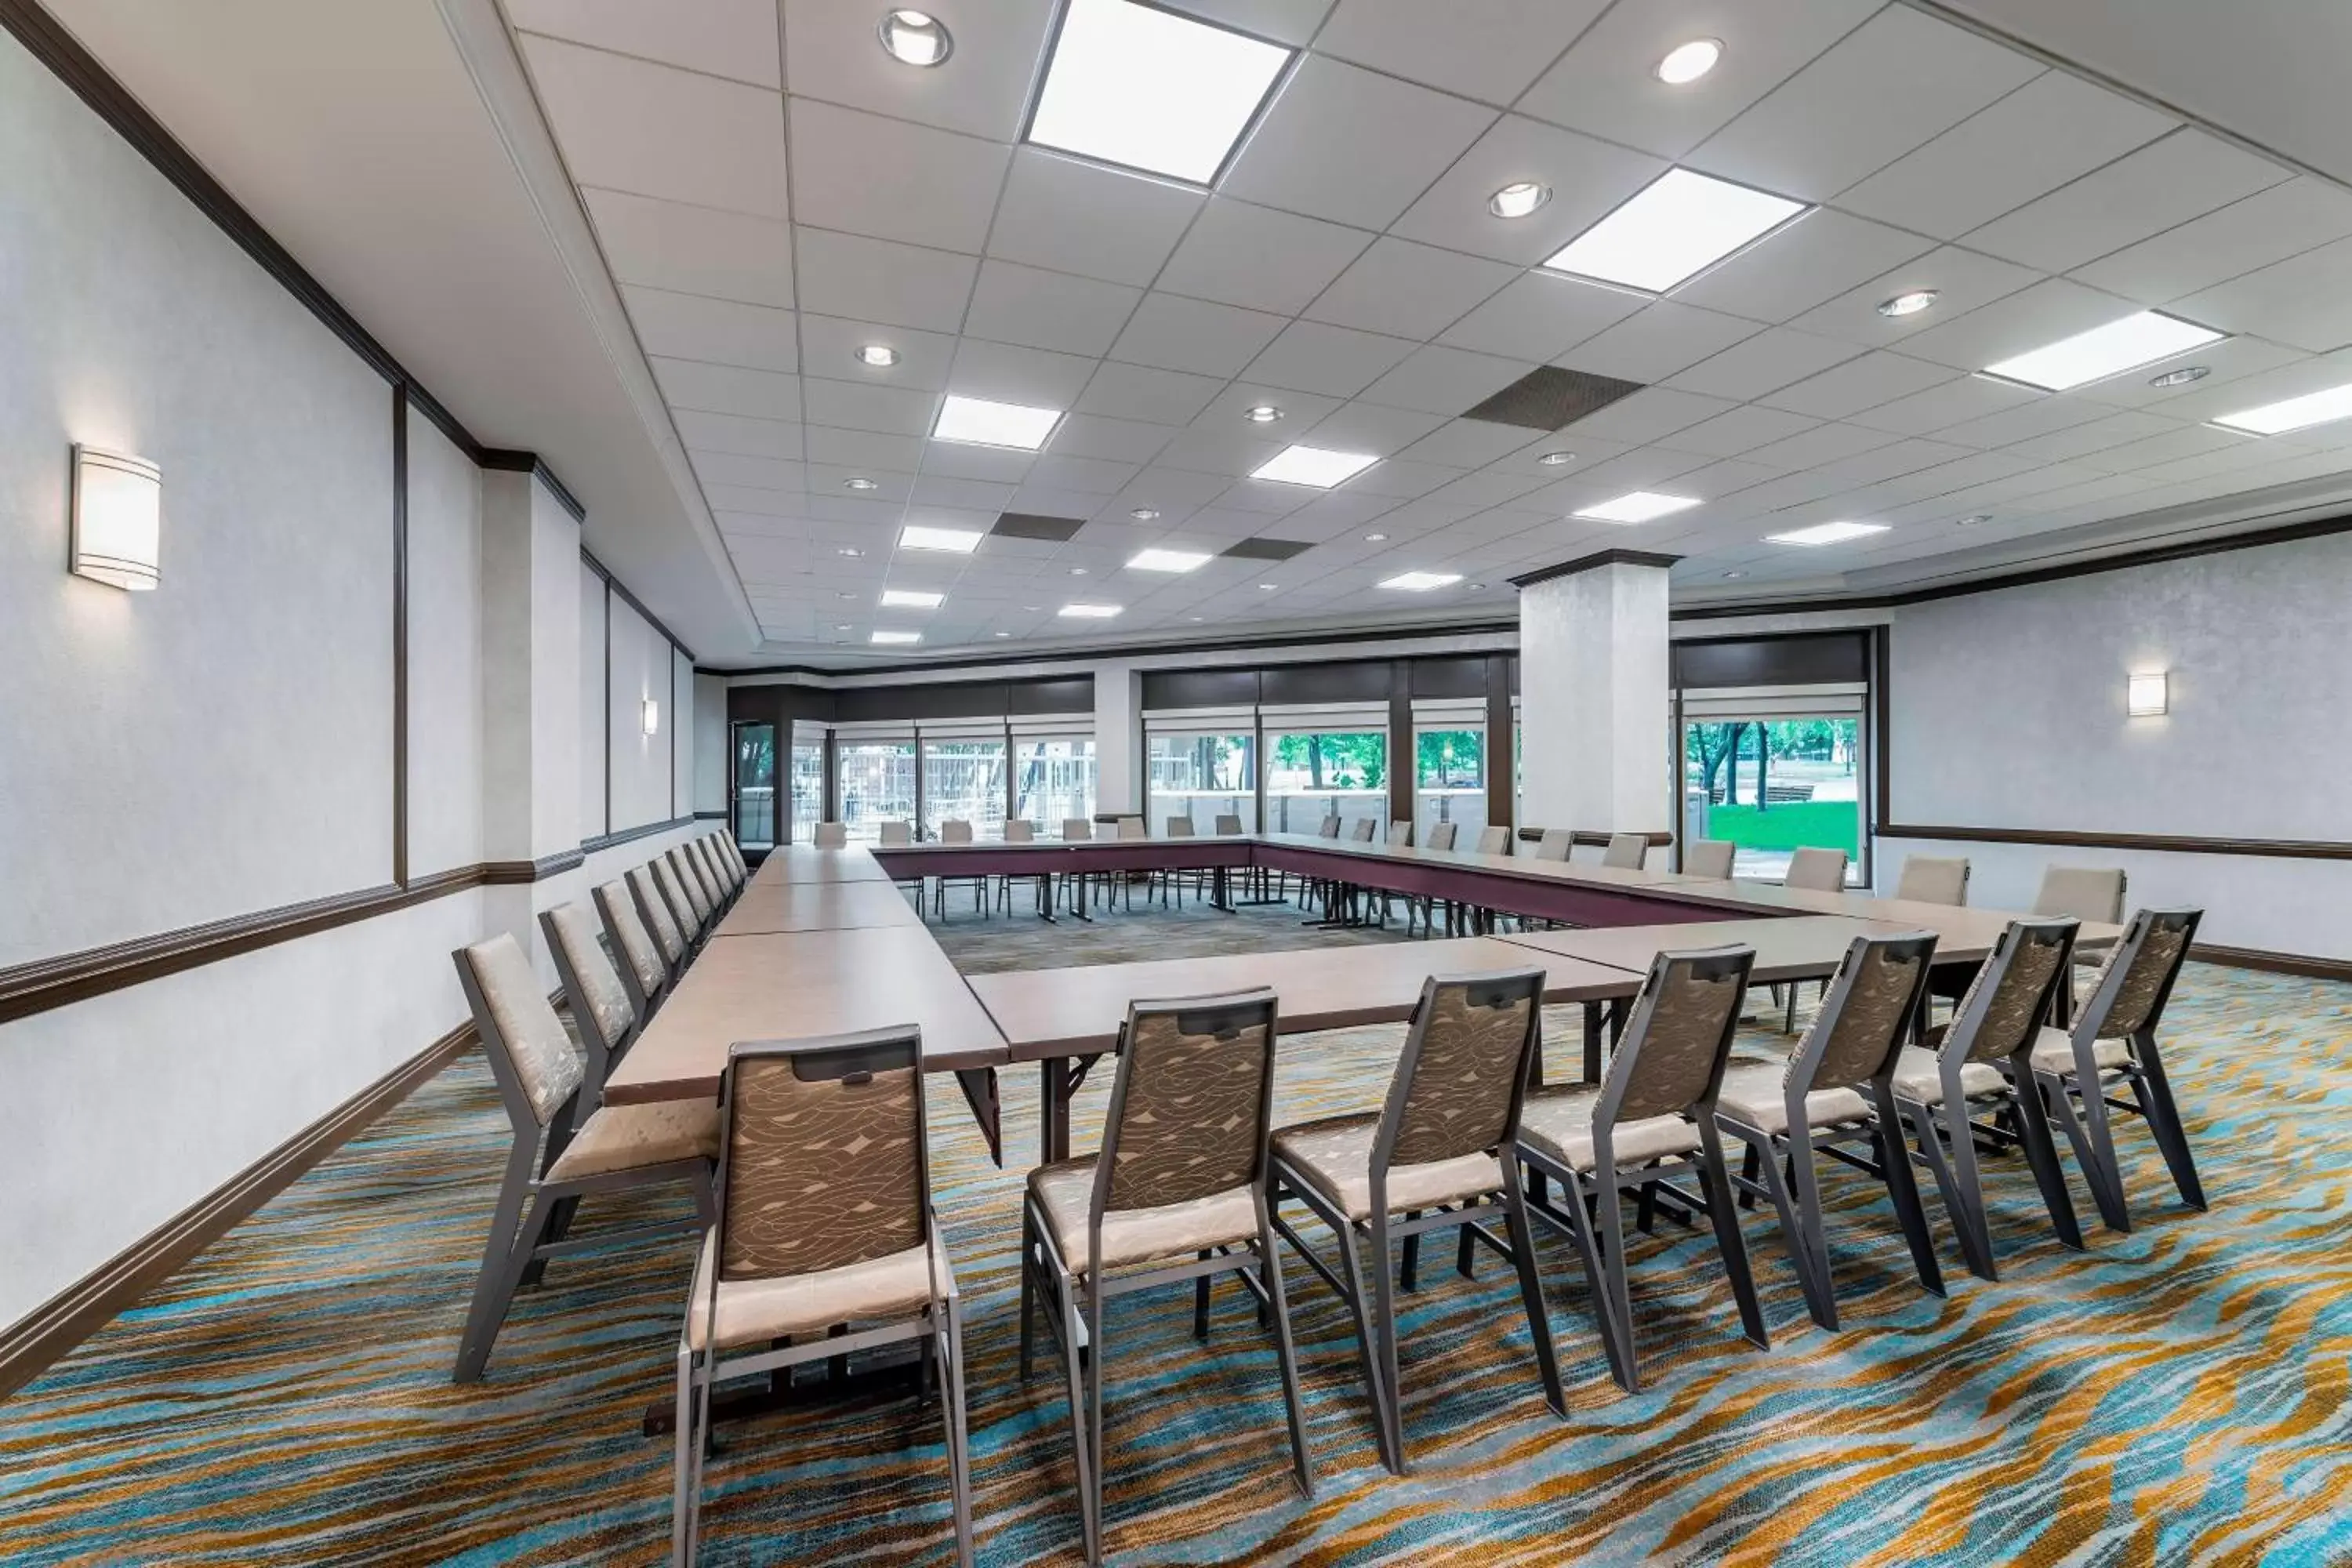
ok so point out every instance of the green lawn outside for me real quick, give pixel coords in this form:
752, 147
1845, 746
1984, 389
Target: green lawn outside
1793, 824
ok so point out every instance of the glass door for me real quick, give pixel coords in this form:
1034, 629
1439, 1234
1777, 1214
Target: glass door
754, 794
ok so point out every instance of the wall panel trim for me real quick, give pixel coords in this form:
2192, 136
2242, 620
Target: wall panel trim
2158, 843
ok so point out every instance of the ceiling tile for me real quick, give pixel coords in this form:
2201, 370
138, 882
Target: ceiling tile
1350, 146
2233, 367
1154, 396
889, 410
2183, 176
1172, 332
2098, 435
1289, 22
1489, 51
877, 281
629, 125
1408, 291
1587, 179
2268, 227
832, 53
2052, 130
1402, 479
1961, 279
1657, 341
1024, 305
862, 450
2302, 302
1607, 83
1895, 458
693, 326
1765, 363
1822, 443
829, 347
2037, 416
1369, 427
1787, 272
1084, 475
1004, 373
1071, 216
727, 389
941, 189
1232, 449
756, 473
691, 249
1120, 440
1439, 380
738, 435
734, 38
1540, 313
1892, 83
1311, 357
1859, 384
1649, 414
1237, 254
728, 501
2051, 310
1939, 409
1471, 443
1740, 430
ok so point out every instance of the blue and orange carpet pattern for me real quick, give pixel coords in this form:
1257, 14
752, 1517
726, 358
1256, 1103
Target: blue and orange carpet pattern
2175, 1396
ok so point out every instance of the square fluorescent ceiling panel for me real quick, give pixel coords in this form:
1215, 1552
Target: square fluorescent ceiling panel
1678, 225
1147, 89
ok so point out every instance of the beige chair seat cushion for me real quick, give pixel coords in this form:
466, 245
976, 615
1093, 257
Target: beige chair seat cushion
1065, 1191
631, 1137
1334, 1157
1920, 1080
1752, 1094
2053, 1052
1558, 1125
752, 1312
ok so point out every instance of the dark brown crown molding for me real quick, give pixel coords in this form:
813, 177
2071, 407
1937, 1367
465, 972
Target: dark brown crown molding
2153, 843
1135, 650
1593, 562
531, 463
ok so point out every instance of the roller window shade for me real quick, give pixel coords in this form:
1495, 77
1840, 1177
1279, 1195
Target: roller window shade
870, 733
960, 729
1200, 721
1342, 718
1448, 713
1826, 701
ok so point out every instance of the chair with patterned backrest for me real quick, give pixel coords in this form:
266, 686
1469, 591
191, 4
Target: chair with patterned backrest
831, 836
684, 903
1019, 830
2112, 1043
602, 1014
1836, 1086
1435, 1153
1399, 834
660, 918
644, 971
1555, 844
1981, 1063
1709, 858
729, 861
1627, 851
1328, 827
1175, 880
1132, 828
559, 1156
2085, 892
718, 883
1816, 870
1651, 1117
1177, 1193
825, 1242
690, 881
1934, 879
1493, 839
1443, 835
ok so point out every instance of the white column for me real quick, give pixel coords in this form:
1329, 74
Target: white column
1593, 694
1119, 738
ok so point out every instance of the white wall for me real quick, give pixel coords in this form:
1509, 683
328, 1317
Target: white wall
677, 724
593, 593
445, 653
641, 762
711, 750
2008, 711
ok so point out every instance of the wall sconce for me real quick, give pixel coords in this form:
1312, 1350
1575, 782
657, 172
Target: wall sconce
649, 714
118, 518
2144, 695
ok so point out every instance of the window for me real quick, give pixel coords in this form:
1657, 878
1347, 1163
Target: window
1054, 780
1449, 782
1773, 783
1202, 773
1315, 770
755, 785
876, 785
808, 787
963, 780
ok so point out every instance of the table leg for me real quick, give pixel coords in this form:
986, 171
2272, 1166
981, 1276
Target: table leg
1053, 1110
1592, 1042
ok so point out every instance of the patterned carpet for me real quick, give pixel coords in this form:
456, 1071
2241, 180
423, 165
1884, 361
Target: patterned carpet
2176, 1395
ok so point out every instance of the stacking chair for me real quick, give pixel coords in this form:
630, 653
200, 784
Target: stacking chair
1651, 1117
1442, 834
2112, 1043
1077, 887
1133, 828
698, 901
1019, 830
1628, 851
717, 885
1362, 830
559, 1156
593, 990
831, 836
824, 1224
1435, 1153
644, 971
1494, 840
1554, 845
1932, 879
2085, 893
957, 830
682, 903
1836, 1086
1178, 827
660, 914
1816, 870
1982, 1062
1229, 824
896, 835
1177, 1193
1709, 858
1399, 835
1328, 827
732, 872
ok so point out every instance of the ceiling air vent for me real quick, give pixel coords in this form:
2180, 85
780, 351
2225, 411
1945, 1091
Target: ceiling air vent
1263, 549
1550, 398
1033, 525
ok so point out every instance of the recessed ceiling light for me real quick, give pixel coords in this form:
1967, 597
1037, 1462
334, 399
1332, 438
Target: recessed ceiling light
1089, 612
1262, 414
910, 599
1908, 304
1728, 574
878, 357
915, 37
1972, 519
900, 639
860, 484
1678, 225
841, 626
1267, 587
1554, 459
845, 594
1686, 63
2294, 413
2103, 352
1374, 538
1637, 506
1316, 465
1077, 571
2180, 377
1000, 634
1196, 620
1143, 513
851, 551
1145, 88
977, 422
1826, 533
1422, 581
1167, 560
1519, 200
960, 541
1475, 587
